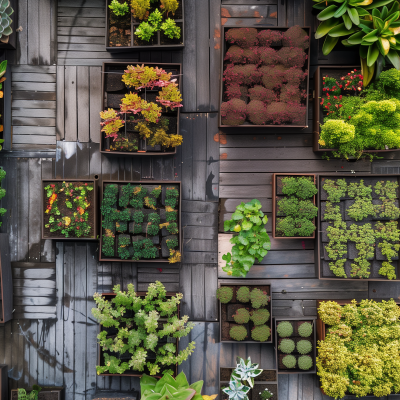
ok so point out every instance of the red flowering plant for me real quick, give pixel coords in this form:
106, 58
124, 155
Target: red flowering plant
71, 217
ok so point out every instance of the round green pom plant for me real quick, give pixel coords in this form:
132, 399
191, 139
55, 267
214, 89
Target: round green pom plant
286, 346
305, 362
242, 316
238, 332
304, 346
289, 361
224, 294
258, 298
284, 329
243, 294
305, 329
261, 333
260, 316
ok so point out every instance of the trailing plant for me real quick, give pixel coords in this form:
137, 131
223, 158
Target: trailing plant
252, 240
284, 329
118, 9
154, 316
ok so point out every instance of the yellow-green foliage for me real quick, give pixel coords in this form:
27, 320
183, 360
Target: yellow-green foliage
334, 132
169, 5
360, 353
140, 8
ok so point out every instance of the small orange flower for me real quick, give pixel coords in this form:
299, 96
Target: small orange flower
81, 210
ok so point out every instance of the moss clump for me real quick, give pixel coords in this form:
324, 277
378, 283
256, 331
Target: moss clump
243, 294
268, 56
258, 298
235, 55
260, 317
296, 113
268, 37
238, 332
284, 329
272, 77
262, 94
295, 37
224, 294
289, 361
294, 76
257, 112
233, 112
286, 346
305, 329
305, 362
243, 37
290, 93
304, 346
242, 316
236, 91
277, 113
261, 333
291, 57
251, 55
247, 74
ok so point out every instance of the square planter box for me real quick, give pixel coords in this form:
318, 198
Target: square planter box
304, 85
276, 192
113, 91
12, 41
6, 285
335, 72
267, 380
109, 296
296, 337
157, 239
47, 393
92, 209
127, 25
225, 323
3, 382
324, 271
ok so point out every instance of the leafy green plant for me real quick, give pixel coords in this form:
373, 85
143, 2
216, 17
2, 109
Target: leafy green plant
172, 243
286, 346
170, 29
291, 227
302, 186
284, 329
252, 240
265, 394
5, 26
236, 390
33, 395
154, 316
335, 189
169, 6
119, 9
155, 20
145, 31
291, 206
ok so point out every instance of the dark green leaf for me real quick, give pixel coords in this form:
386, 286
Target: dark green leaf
356, 38
373, 53
353, 14
340, 30
325, 27
393, 57
347, 21
327, 13
329, 44
384, 12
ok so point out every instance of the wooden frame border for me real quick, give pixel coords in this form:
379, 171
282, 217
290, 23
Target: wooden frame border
6, 284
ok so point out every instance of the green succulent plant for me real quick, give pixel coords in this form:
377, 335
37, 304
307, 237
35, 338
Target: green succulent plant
286, 346
260, 316
258, 298
5, 25
242, 316
243, 294
305, 362
284, 329
261, 333
305, 329
289, 361
304, 346
224, 294
246, 371
238, 332
236, 390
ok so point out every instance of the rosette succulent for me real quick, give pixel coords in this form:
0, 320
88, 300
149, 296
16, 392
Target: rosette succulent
246, 371
5, 26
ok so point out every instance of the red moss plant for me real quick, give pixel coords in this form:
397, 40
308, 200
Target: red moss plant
243, 37
260, 93
278, 113
297, 113
257, 112
272, 77
292, 57
235, 55
233, 112
295, 37
251, 55
290, 93
236, 91
268, 38
268, 56
247, 74
294, 76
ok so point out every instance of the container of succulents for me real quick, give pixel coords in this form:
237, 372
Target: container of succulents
141, 109
245, 308
141, 221
248, 382
139, 332
141, 24
69, 209
294, 208
295, 345
358, 348
265, 77
358, 223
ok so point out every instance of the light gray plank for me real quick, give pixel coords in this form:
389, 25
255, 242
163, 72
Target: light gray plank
33, 77
60, 103
33, 104
34, 130
83, 103
34, 112
33, 121
29, 139
95, 104
70, 104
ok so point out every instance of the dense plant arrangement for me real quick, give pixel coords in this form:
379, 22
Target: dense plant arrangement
296, 211
252, 240
5, 26
69, 210
142, 324
368, 238
140, 221
360, 352
294, 345
251, 311
33, 395
263, 76
371, 25
357, 118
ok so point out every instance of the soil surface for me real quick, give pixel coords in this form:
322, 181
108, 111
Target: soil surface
266, 375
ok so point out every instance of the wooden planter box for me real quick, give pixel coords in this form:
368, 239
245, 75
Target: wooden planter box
158, 42
93, 209
3, 382
324, 272
268, 379
275, 198
112, 99
224, 325
12, 41
138, 374
336, 72
6, 285
296, 338
305, 84
56, 393
179, 223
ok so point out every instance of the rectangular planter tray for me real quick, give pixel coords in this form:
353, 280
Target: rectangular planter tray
152, 260
245, 282
95, 208
123, 65
135, 373
158, 46
313, 370
318, 116
58, 391
221, 95
6, 284
274, 205
319, 241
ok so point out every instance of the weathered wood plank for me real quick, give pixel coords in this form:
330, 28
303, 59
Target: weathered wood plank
95, 104
60, 103
70, 104
82, 103
199, 206
33, 121
31, 76
266, 140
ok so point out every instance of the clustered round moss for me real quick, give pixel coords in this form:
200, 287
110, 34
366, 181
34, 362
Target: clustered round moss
304, 346
224, 294
268, 37
243, 294
305, 329
289, 361
242, 316
284, 329
261, 333
261, 93
257, 112
305, 362
258, 298
238, 332
286, 346
233, 112
236, 91
243, 37
260, 316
